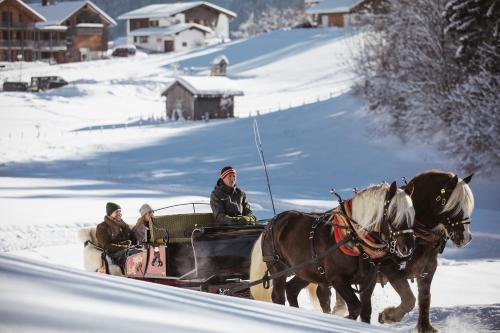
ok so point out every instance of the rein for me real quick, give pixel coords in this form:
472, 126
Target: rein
266, 278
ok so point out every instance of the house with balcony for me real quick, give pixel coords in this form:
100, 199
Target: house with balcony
18, 33
177, 26
73, 30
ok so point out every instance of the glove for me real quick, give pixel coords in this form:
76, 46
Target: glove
249, 219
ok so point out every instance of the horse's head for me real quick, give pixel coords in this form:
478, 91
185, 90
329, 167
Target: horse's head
389, 210
444, 204
453, 205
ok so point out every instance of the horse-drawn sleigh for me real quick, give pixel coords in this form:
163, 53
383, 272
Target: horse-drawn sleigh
183, 250
397, 231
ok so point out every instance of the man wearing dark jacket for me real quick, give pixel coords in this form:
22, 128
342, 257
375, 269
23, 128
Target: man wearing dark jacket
229, 203
114, 235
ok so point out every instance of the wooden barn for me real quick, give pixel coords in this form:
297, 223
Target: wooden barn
201, 97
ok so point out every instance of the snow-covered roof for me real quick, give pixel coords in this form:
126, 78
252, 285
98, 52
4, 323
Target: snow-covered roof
334, 6
59, 12
30, 9
207, 85
90, 25
54, 27
219, 58
166, 10
165, 31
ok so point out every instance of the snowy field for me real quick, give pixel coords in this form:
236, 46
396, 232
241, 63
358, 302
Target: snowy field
65, 153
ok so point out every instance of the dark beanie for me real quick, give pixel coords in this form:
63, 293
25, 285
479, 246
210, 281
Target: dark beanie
226, 171
111, 207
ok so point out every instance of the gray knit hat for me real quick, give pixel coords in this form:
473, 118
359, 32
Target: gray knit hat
111, 207
145, 209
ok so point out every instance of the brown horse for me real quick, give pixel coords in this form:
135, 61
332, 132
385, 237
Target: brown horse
292, 238
443, 208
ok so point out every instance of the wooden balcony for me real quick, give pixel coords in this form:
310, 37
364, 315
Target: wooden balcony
21, 26
42, 45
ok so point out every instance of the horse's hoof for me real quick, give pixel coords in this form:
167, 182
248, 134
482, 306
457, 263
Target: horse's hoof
339, 311
427, 328
351, 317
388, 316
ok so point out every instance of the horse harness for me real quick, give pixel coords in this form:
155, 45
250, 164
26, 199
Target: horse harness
370, 246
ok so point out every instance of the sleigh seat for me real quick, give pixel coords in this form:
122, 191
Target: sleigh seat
92, 255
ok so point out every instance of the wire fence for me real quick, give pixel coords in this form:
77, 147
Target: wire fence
40, 132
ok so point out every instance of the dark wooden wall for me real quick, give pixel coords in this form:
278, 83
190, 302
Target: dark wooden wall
202, 15
211, 106
178, 92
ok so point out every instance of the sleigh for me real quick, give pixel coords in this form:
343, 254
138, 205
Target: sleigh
183, 250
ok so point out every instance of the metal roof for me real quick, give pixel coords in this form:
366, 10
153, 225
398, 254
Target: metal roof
59, 12
173, 29
207, 85
166, 10
334, 6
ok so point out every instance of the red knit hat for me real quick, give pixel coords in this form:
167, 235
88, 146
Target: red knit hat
226, 171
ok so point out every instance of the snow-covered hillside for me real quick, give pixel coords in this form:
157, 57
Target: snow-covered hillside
66, 152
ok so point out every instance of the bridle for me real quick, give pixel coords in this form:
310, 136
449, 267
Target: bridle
441, 200
394, 234
449, 224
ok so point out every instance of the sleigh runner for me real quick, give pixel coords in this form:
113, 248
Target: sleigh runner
184, 250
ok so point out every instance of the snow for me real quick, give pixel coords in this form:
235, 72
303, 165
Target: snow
334, 6
64, 153
170, 30
208, 85
166, 10
58, 12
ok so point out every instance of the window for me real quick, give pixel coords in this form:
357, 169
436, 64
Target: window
143, 39
135, 39
7, 18
153, 23
184, 44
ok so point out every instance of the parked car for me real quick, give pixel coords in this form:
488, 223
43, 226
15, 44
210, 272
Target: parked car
46, 82
15, 86
124, 51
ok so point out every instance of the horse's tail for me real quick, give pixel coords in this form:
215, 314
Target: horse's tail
257, 270
311, 290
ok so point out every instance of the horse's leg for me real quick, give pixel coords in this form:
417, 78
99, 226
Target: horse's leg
366, 300
340, 307
293, 288
424, 300
345, 290
324, 294
278, 294
395, 314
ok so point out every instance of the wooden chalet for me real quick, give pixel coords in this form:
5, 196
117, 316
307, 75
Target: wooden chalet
18, 33
197, 97
73, 30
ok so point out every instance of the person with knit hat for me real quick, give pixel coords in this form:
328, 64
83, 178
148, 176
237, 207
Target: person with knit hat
114, 235
229, 203
141, 228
